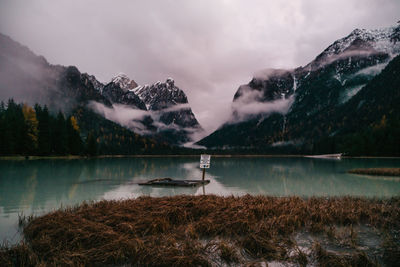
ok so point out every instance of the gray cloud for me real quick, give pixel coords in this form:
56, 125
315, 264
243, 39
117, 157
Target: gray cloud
132, 119
123, 115
249, 104
209, 47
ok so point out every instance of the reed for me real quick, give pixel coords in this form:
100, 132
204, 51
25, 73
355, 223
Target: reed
195, 230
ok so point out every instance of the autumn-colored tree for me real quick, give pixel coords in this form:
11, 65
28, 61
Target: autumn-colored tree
74, 123
31, 129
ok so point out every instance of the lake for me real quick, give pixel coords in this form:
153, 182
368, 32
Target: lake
39, 186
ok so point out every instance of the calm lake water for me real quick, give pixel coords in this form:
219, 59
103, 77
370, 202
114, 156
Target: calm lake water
39, 186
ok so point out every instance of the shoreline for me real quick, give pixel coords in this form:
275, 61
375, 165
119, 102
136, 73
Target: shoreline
181, 156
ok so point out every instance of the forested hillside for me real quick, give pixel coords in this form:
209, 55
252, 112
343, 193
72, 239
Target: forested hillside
27, 130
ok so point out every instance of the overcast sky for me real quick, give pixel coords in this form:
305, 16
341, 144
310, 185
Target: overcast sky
209, 47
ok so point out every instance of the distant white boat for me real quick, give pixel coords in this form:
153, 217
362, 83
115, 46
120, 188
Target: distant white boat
326, 156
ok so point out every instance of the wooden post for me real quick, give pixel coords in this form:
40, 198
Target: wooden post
204, 173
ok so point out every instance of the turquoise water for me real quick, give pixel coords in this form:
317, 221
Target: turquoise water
39, 186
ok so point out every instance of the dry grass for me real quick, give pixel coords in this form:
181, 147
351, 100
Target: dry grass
197, 230
377, 171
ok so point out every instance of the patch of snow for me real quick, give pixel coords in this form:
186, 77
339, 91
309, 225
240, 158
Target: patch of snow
378, 38
338, 77
123, 81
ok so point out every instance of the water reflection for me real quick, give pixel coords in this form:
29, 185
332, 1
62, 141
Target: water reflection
304, 177
43, 185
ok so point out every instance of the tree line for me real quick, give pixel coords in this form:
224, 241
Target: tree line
26, 130
381, 138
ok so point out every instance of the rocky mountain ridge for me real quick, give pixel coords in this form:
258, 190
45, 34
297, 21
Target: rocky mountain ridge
168, 116
279, 107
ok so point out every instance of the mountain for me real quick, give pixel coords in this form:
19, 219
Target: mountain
170, 106
294, 110
163, 108
123, 81
29, 78
113, 92
168, 116
369, 123
96, 84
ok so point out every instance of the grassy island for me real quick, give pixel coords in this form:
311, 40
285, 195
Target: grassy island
377, 171
213, 231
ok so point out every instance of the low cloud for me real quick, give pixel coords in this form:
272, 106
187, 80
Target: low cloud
193, 145
133, 119
172, 108
27, 78
286, 143
265, 74
123, 115
373, 70
208, 47
250, 104
332, 58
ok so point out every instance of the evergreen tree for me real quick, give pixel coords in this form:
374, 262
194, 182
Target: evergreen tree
26, 131
3, 139
75, 145
60, 135
44, 140
14, 128
91, 145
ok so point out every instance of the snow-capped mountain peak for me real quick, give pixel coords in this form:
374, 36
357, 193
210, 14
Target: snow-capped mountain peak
165, 104
339, 83
361, 41
379, 39
160, 94
124, 82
